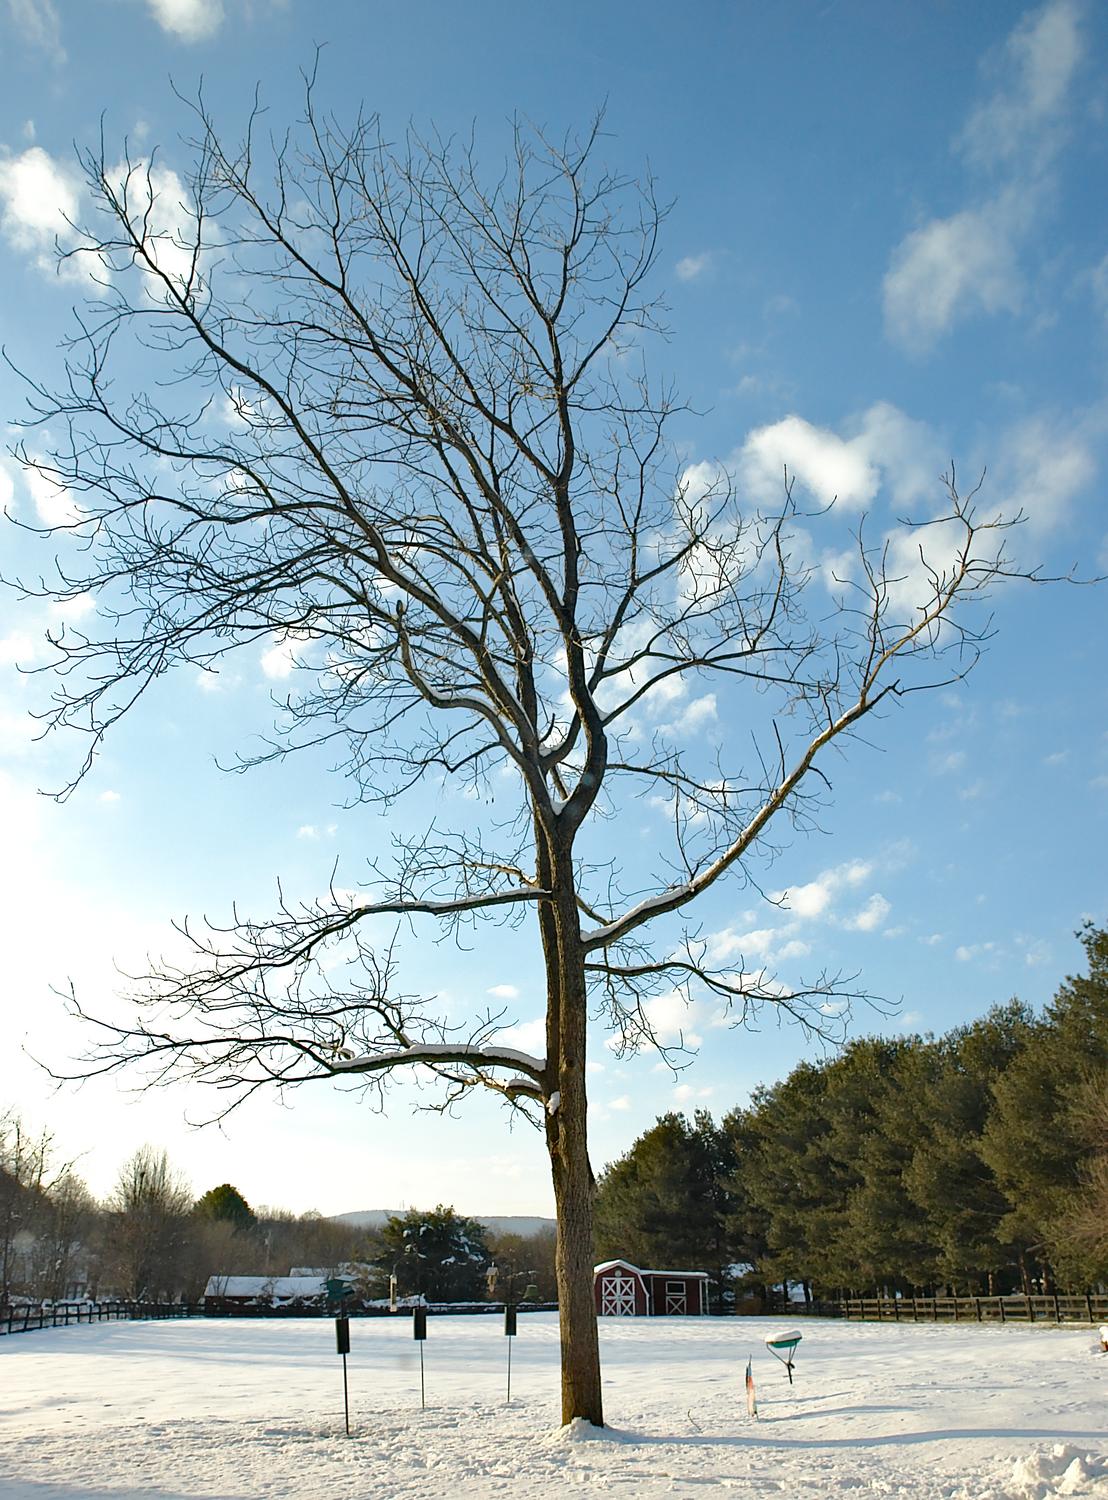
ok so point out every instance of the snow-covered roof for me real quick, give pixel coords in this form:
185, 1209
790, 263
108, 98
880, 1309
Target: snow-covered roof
265, 1286
609, 1265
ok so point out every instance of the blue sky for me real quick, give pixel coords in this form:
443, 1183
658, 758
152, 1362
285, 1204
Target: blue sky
888, 248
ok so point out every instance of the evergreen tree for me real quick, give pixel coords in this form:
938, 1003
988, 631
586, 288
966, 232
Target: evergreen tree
948, 1178
438, 1253
1034, 1140
1081, 1238
786, 1174
878, 1094
226, 1204
665, 1203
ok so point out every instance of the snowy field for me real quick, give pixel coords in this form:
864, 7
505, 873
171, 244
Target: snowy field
254, 1408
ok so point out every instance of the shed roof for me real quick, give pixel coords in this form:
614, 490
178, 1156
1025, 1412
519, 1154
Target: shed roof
610, 1265
265, 1286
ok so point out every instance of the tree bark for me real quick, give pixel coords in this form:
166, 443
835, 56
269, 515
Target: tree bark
573, 1195
567, 1143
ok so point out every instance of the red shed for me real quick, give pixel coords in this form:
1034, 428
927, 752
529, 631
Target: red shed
624, 1290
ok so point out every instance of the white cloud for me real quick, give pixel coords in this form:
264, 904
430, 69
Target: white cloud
504, 992
280, 659
916, 562
870, 916
528, 1036
672, 1020
1036, 952
814, 898
794, 948
110, 796
693, 267
7, 490
622, 1103
37, 23
1098, 279
950, 269
70, 610
826, 465
684, 1092
307, 831
53, 502
17, 648
40, 200
694, 716
756, 943
967, 263
159, 200
1036, 68
966, 952
191, 20
1042, 465
701, 479
881, 448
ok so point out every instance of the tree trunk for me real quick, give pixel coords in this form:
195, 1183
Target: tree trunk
573, 1265
567, 1143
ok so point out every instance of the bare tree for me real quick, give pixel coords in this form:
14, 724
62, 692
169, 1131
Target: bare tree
149, 1227
63, 1245
25, 1162
402, 427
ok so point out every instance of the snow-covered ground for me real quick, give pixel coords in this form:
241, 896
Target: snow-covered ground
242, 1408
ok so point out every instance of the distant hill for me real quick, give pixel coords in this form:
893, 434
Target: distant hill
526, 1224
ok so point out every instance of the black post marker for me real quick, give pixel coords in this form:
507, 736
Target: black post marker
419, 1333
342, 1340
510, 1332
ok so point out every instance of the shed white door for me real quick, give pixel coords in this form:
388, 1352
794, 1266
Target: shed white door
617, 1296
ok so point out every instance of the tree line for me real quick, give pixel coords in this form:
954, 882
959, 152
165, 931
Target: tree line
152, 1239
976, 1160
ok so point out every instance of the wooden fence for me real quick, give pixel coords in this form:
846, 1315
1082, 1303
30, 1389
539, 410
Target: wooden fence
28, 1317
1082, 1308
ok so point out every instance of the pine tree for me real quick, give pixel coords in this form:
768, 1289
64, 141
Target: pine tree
438, 1253
787, 1174
1034, 1140
226, 1204
665, 1202
878, 1105
948, 1178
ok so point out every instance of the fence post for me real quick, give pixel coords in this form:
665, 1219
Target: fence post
915, 1309
1057, 1309
1089, 1306
978, 1302
1030, 1309
1003, 1317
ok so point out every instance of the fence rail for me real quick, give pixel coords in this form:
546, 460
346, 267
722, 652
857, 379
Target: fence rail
1082, 1308
30, 1317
